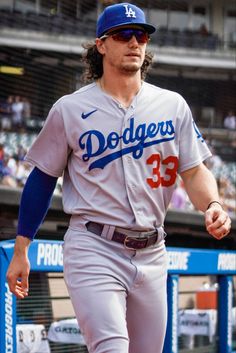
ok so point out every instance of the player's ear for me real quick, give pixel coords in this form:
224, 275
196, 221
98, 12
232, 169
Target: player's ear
100, 46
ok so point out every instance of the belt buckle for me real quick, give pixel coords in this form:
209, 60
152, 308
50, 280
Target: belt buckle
133, 238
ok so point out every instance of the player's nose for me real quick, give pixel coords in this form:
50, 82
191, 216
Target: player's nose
133, 42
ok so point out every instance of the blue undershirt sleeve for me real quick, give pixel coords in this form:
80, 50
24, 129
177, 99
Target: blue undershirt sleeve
35, 201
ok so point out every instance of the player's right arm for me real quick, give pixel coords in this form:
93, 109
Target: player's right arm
35, 201
19, 268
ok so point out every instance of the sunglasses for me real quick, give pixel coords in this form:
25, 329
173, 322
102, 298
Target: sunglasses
124, 35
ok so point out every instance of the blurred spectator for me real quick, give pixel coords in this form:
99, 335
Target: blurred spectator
230, 121
108, 2
7, 172
21, 152
26, 110
17, 112
227, 192
22, 172
1, 152
203, 30
6, 113
13, 171
180, 198
11, 164
1, 156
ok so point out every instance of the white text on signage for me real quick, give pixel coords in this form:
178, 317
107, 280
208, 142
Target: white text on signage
8, 320
50, 254
178, 260
226, 262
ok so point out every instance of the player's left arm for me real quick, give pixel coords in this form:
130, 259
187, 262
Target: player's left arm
202, 189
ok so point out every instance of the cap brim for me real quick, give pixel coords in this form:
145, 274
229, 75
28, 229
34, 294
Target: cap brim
148, 28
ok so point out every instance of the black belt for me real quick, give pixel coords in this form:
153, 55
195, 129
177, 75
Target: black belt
129, 242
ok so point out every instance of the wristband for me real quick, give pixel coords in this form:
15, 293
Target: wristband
212, 203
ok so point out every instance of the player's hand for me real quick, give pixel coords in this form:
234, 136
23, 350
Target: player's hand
218, 222
18, 275
19, 268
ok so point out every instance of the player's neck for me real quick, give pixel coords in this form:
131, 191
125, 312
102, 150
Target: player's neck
122, 89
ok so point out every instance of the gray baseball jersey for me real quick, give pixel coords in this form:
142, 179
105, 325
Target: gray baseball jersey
119, 165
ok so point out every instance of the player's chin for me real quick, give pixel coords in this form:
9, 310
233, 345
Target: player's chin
131, 68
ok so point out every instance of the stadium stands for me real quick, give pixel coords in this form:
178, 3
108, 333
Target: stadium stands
67, 25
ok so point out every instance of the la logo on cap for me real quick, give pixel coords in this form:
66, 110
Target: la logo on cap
129, 12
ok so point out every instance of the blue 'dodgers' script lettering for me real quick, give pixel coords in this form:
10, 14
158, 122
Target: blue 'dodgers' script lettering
95, 143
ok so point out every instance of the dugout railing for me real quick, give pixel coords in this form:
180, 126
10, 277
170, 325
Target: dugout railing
47, 256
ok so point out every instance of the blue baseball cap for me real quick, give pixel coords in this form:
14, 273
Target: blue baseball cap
120, 15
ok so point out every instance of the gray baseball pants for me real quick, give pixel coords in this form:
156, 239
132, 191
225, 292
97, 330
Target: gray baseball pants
119, 295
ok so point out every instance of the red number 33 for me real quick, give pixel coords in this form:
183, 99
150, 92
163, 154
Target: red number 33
170, 175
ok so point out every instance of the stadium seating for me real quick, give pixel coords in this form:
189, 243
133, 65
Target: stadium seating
61, 24
11, 141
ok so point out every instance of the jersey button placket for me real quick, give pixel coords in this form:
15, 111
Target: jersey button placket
128, 165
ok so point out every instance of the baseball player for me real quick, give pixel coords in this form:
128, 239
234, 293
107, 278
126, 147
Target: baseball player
119, 143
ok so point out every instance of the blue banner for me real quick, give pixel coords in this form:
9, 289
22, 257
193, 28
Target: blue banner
46, 255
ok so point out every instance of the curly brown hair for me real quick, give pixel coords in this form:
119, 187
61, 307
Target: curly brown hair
94, 66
